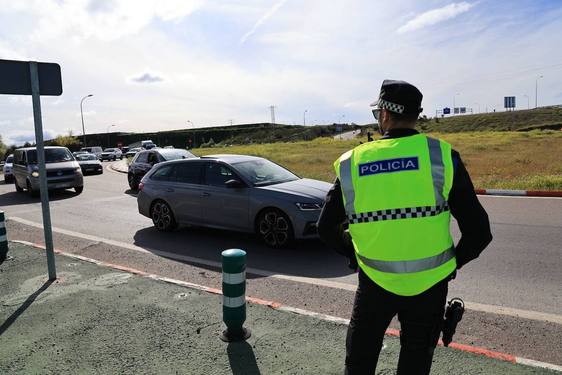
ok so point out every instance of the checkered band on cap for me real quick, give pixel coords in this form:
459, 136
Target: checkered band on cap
397, 213
393, 107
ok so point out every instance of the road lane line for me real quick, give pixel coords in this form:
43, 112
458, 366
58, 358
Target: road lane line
295, 310
494, 309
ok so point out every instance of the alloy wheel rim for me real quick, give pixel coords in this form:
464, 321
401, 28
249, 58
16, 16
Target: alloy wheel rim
161, 216
274, 229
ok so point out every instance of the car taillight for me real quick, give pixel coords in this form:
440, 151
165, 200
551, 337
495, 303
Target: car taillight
141, 185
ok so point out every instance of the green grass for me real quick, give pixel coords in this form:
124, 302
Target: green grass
508, 160
525, 120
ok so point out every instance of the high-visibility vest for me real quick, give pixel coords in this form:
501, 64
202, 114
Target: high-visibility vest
395, 193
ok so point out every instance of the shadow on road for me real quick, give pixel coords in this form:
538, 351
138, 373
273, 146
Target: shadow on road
242, 359
12, 318
309, 258
131, 192
14, 198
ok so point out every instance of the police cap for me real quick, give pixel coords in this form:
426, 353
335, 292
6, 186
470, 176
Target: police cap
399, 97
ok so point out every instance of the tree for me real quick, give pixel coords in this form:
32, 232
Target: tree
3, 148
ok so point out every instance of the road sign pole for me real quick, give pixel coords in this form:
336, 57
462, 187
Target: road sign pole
42, 170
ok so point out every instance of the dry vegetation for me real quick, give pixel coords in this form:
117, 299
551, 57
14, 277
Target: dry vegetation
509, 160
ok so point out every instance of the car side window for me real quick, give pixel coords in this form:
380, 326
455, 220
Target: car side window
142, 157
217, 174
188, 173
166, 173
152, 158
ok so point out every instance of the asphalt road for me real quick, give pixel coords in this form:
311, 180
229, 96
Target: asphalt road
515, 287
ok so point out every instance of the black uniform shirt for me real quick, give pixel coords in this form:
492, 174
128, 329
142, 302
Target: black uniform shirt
464, 205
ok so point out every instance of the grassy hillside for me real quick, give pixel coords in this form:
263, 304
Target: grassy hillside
508, 160
540, 118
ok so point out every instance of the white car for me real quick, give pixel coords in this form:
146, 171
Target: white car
7, 169
111, 154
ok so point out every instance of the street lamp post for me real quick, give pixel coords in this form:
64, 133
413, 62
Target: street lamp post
82, 116
527, 96
454, 96
304, 117
478, 104
537, 91
107, 131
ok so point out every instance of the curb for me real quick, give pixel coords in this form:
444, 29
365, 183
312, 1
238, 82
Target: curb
519, 193
278, 306
110, 167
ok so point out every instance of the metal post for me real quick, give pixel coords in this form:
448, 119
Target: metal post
82, 116
3, 238
304, 117
42, 170
234, 295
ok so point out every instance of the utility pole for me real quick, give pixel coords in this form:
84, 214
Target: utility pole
304, 117
272, 109
231, 121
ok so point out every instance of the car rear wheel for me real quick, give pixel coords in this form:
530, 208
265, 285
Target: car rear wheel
133, 181
275, 228
79, 189
162, 217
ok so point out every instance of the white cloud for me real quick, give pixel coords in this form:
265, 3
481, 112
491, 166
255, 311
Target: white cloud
435, 16
103, 19
264, 18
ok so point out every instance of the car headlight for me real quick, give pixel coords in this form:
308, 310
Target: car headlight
309, 206
35, 174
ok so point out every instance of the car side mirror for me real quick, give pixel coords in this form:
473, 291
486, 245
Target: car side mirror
234, 184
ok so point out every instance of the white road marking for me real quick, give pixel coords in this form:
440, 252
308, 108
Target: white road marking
501, 310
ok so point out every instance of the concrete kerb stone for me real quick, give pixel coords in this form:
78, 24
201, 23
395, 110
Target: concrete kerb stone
119, 166
277, 306
519, 193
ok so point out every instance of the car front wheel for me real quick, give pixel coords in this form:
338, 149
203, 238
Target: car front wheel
18, 188
274, 227
162, 217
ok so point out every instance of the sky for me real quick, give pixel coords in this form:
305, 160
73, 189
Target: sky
172, 64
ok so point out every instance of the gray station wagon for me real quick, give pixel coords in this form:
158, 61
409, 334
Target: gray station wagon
235, 192
63, 171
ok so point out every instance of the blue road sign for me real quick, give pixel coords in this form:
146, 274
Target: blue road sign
446, 111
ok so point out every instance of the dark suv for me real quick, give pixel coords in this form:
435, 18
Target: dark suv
145, 160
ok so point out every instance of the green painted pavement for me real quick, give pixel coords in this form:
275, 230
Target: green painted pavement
98, 320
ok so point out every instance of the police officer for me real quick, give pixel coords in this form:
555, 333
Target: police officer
396, 196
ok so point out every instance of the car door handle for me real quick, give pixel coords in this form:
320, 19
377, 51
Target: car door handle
205, 194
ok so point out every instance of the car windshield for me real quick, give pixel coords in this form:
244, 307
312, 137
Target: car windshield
263, 172
109, 150
86, 149
82, 157
10, 159
52, 155
173, 154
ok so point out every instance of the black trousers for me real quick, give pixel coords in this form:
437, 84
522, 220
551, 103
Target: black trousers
421, 321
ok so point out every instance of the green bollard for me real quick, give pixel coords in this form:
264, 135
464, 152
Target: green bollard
234, 295
3, 238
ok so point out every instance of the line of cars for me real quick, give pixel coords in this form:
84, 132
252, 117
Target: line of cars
233, 192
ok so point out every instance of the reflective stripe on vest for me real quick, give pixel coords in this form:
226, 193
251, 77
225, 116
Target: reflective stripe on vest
437, 174
409, 266
347, 182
